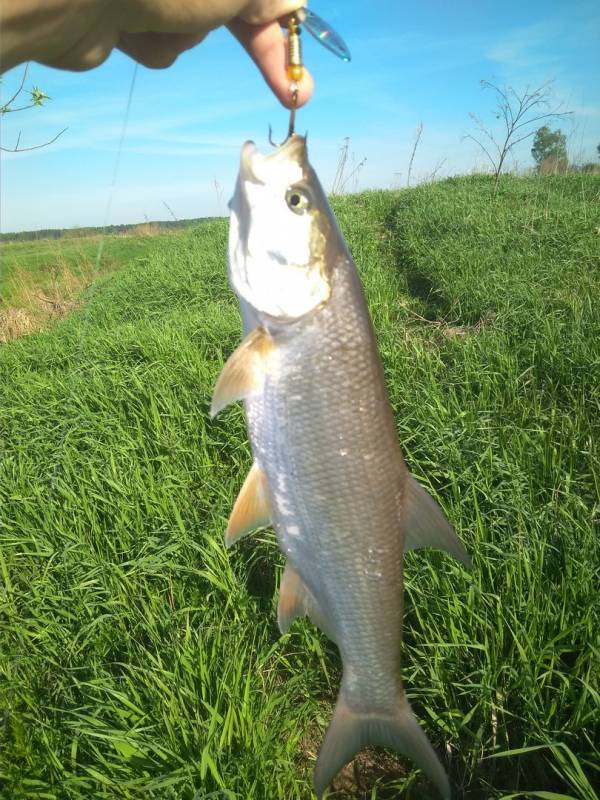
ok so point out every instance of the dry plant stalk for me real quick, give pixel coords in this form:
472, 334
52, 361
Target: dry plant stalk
518, 112
418, 134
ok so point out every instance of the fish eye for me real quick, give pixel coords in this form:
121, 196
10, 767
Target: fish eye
298, 200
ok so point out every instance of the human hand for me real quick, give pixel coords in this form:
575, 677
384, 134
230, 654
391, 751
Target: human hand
81, 34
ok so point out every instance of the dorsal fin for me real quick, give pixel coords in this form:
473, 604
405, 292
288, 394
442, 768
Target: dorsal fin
244, 370
251, 509
426, 526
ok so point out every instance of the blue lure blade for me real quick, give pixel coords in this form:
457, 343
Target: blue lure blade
324, 33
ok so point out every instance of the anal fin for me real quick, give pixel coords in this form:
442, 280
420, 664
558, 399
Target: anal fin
426, 526
292, 599
243, 372
251, 509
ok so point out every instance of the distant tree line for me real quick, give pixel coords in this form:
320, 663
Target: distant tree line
115, 230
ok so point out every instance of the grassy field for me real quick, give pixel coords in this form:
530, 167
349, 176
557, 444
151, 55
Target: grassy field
39, 262
44, 280
139, 659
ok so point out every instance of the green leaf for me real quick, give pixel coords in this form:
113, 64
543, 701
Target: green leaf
38, 96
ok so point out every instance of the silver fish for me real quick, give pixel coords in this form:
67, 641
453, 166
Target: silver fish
328, 472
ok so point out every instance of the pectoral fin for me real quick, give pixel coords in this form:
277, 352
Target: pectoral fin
244, 371
426, 526
296, 600
251, 509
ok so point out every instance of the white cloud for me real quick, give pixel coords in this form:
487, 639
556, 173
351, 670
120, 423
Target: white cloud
526, 47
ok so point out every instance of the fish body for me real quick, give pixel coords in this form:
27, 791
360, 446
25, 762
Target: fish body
328, 471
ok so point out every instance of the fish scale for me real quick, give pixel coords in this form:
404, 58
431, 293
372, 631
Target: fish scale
328, 471
323, 420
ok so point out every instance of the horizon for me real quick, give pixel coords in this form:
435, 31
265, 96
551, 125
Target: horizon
185, 129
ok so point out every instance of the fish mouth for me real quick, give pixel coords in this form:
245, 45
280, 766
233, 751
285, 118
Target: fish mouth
254, 166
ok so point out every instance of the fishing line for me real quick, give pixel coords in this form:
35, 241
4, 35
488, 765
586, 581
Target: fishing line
113, 184
86, 313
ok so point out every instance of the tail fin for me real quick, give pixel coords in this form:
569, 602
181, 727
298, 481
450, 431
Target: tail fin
349, 732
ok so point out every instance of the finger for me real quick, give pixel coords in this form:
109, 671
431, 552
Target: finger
88, 52
267, 47
157, 50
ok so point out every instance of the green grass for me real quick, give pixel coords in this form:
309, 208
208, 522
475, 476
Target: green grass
139, 659
39, 263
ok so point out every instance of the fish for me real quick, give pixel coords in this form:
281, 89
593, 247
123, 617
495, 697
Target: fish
328, 473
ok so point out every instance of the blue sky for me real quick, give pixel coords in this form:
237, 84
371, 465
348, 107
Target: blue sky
411, 62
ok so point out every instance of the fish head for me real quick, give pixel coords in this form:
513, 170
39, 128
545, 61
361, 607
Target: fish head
279, 235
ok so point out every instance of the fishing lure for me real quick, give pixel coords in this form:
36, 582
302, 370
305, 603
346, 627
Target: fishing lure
325, 35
